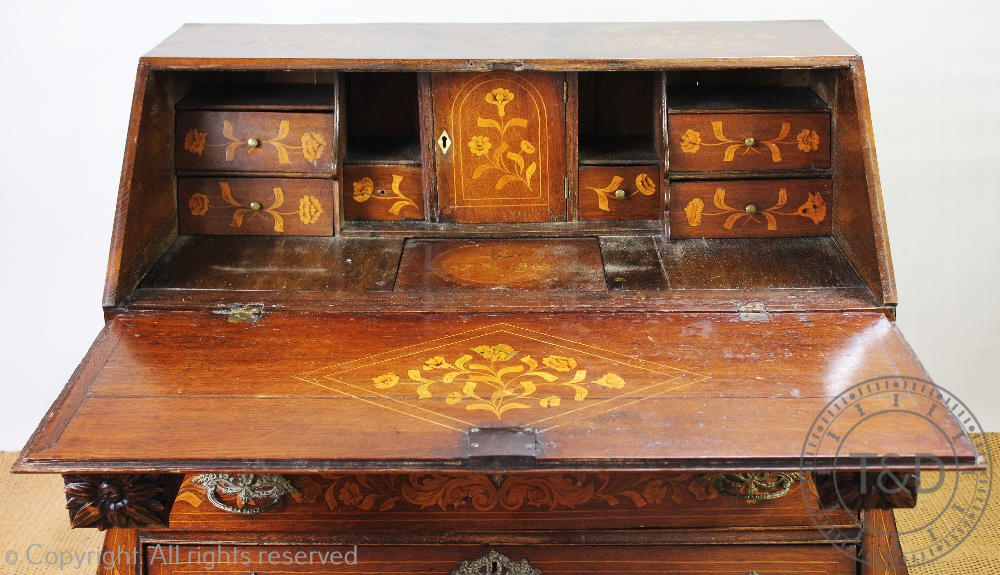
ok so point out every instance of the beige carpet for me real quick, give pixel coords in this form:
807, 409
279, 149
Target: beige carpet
32, 514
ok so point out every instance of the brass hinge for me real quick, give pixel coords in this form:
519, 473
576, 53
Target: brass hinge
242, 313
565, 92
566, 188
753, 311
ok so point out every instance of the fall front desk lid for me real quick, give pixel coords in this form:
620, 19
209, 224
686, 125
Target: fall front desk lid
183, 391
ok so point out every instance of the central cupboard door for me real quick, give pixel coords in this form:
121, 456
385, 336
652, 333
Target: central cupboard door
500, 146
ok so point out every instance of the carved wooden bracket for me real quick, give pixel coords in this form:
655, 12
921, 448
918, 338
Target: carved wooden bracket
877, 489
120, 500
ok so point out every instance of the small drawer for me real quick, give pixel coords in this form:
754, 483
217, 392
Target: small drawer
255, 206
477, 559
750, 208
383, 193
221, 141
620, 193
722, 142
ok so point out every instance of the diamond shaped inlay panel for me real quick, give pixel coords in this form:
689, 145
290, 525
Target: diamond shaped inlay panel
500, 374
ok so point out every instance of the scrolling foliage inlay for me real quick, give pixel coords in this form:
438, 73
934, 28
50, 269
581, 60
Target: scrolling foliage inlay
499, 384
482, 492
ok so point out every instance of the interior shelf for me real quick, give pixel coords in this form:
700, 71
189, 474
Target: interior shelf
382, 119
618, 118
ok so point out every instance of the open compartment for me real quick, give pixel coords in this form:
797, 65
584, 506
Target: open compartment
618, 118
382, 118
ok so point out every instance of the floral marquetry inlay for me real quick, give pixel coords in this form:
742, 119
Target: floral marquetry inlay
445, 492
511, 163
490, 379
814, 209
311, 144
500, 373
309, 208
644, 185
364, 190
807, 140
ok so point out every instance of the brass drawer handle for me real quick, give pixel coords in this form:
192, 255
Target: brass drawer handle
754, 486
495, 563
248, 488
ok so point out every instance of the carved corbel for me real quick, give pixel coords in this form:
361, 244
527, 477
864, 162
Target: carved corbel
120, 500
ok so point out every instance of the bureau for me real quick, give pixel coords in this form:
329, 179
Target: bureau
498, 300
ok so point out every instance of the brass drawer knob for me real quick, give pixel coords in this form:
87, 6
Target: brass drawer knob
751, 209
620, 194
749, 142
253, 142
255, 206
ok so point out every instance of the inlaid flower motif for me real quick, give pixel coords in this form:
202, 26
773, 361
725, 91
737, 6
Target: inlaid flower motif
198, 204
309, 209
507, 380
526, 147
363, 189
550, 401
655, 492
499, 352
645, 184
312, 145
611, 381
436, 362
559, 363
693, 211
480, 145
808, 140
690, 142
814, 208
194, 141
386, 380
500, 97
350, 494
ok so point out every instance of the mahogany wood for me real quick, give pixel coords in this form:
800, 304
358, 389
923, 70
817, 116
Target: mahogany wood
284, 141
749, 141
642, 193
750, 208
646, 377
383, 193
473, 331
452, 502
494, 265
505, 160
255, 206
563, 560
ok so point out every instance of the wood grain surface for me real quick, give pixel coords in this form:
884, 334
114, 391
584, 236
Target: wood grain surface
648, 45
505, 161
754, 141
750, 208
255, 206
188, 391
642, 193
286, 142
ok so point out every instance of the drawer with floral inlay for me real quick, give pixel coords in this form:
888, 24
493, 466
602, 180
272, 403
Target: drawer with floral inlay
224, 141
255, 206
383, 193
620, 193
750, 208
747, 129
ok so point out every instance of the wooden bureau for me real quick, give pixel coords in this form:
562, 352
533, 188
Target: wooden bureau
497, 300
